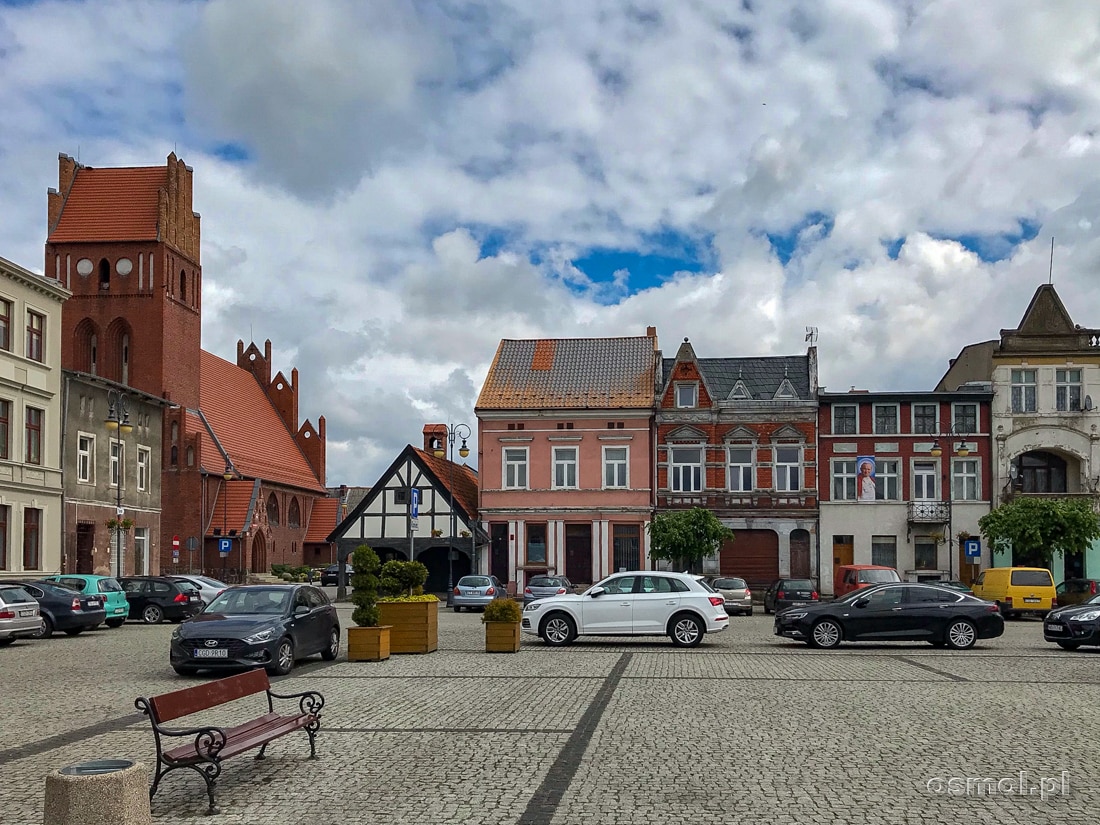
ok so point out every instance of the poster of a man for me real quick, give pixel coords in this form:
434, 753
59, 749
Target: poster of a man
865, 478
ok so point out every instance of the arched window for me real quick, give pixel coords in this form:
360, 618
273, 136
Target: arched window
175, 432
273, 510
86, 346
175, 459
104, 274
190, 456
183, 286
294, 514
124, 356
93, 353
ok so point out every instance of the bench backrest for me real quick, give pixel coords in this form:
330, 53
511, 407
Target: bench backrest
169, 706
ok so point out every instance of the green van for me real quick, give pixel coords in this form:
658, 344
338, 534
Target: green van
114, 600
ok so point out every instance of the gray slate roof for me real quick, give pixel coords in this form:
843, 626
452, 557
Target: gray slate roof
762, 376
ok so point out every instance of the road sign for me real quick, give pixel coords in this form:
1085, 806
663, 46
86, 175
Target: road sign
415, 503
972, 548
176, 543
224, 546
192, 543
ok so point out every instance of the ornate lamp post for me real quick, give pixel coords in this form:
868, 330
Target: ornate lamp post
118, 422
453, 431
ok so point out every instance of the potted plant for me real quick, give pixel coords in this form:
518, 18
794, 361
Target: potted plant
369, 641
501, 618
412, 613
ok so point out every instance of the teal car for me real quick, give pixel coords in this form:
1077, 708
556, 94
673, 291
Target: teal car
114, 600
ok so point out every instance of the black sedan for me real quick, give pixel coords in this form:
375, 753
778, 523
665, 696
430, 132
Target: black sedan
894, 613
155, 598
785, 593
258, 625
62, 609
330, 576
1074, 625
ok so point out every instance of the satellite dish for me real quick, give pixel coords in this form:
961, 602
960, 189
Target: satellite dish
1088, 403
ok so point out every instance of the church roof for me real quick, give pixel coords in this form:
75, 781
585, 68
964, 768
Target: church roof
120, 204
322, 520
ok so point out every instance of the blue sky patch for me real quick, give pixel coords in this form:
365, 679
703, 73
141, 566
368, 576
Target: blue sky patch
659, 257
893, 248
997, 246
234, 152
786, 243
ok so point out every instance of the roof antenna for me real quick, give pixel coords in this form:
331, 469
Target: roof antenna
1050, 275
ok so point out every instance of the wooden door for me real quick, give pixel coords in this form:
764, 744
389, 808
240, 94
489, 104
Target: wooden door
578, 552
85, 541
498, 553
800, 554
843, 552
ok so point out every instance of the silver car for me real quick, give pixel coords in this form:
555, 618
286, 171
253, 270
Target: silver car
473, 592
736, 592
208, 588
539, 587
19, 616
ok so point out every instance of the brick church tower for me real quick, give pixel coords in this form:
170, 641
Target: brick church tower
125, 242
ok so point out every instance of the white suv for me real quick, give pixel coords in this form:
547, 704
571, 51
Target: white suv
637, 603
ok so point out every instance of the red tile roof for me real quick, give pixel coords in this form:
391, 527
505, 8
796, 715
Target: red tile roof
465, 479
231, 509
248, 428
112, 205
322, 520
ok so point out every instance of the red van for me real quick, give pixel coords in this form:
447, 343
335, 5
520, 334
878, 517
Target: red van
849, 577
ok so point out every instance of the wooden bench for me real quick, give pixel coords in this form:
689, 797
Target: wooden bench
212, 745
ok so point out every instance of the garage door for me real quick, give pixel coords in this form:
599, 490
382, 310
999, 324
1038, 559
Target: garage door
753, 555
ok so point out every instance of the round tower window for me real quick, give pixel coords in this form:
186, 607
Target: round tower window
84, 267
124, 266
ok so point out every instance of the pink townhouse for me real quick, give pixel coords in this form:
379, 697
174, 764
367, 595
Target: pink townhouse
565, 434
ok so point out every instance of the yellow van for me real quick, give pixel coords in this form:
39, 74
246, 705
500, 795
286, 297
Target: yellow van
1017, 590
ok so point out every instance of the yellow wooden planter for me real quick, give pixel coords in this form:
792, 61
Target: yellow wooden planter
368, 644
414, 626
501, 637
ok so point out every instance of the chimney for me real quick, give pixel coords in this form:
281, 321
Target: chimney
433, 432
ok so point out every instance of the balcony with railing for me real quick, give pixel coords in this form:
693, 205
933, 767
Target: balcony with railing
929, 512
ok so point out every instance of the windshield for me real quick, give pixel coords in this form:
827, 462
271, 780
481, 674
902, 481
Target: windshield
1031, 578
109, 586
546, 581
806, 584
728, 584
879, 576
15, 595
243, 602
474, 581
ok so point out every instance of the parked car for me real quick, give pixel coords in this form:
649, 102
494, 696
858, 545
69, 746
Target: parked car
330, 576
539, 587
849, 577
1076, 591
64, 609
736, 592
894, 612
474, 592
258, 625
155, 598
962, 587
107, 587
1074, 625
639, 603
19, 617
784, 593
208, 588
1017, 590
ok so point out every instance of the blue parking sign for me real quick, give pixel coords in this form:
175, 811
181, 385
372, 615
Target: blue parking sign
972, 548
415, 499
224, 546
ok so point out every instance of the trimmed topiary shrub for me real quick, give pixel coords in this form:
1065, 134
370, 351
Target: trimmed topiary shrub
364, 586
502, 610
404, 581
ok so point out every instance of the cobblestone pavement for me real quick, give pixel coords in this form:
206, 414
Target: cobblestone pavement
745, 728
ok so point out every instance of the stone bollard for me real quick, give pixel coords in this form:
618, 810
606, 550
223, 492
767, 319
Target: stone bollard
101, 792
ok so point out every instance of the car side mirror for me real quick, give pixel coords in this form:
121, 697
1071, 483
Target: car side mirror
861, 602
301, 609
596, 591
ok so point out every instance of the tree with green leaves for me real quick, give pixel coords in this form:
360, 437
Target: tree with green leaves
1037, 528
686, 537
364, 583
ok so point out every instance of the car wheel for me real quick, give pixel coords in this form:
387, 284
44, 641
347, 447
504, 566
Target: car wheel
748, 612
558, 630
184, 671
46, 630
458, 610
115, 622
1068, 645
283, 662
333, 649
6, 642
74, 631
826, 634
152, 614
961, 634
686, 630
767, 610
1004, 612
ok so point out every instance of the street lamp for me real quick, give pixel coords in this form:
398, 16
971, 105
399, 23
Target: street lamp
118, 422
228, 476
955, 438
460, 431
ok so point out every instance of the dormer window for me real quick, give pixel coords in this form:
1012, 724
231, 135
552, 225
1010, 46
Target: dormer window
786, 391
740, 392
687, 395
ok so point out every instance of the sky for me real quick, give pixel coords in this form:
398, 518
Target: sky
388, 189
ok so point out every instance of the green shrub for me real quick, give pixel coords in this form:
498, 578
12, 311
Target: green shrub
502, 610
279, 569
404, 578
287, 577
364, 586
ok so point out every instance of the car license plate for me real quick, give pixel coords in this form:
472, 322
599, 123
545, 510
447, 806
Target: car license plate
93, 604
471, 593
211, 653
1031, 601
26, 612
121, 609
1055, 626
195, 598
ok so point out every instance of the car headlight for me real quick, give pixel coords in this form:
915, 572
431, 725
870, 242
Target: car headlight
532, 607
1090, 616
793, 614
257, 638
177, 633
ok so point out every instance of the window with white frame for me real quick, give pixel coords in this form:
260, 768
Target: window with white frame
1023, 391
884, 550
925, 419
886, 419
844, 419
615, 467
965, 418
964, 479
887, 480
685, 470
141, 551
515, 468
117, 456
565, 468
1067, 390
85, 458
844, 480
924, 480
144, 460
740, 474
687, 395
787, 469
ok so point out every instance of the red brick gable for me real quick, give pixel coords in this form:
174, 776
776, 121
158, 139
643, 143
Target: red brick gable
322, 520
